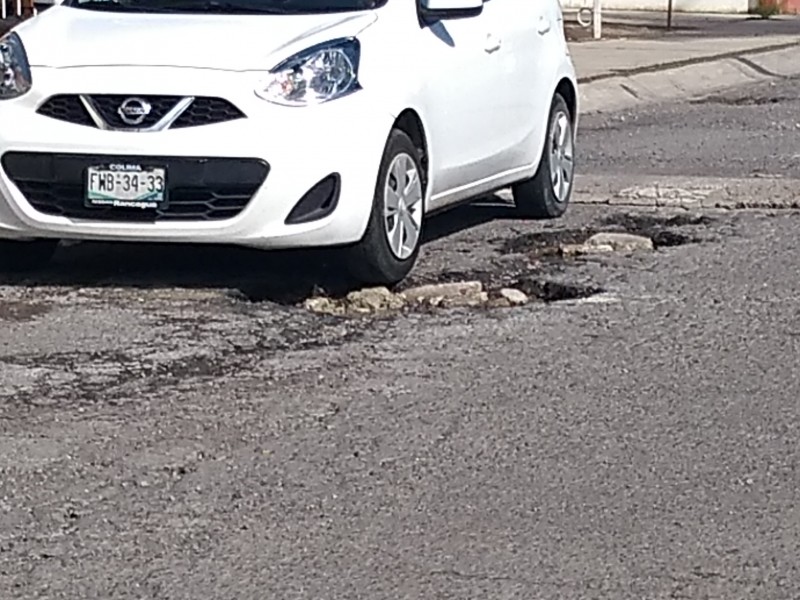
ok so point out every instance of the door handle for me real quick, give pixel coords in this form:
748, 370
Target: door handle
493, 43
544, 24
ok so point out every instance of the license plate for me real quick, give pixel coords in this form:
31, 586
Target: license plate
126, 186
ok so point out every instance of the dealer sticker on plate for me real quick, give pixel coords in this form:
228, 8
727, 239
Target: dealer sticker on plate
126, 186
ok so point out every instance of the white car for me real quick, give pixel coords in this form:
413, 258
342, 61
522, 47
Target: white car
279, 124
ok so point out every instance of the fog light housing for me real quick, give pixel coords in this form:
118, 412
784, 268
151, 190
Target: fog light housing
318, 202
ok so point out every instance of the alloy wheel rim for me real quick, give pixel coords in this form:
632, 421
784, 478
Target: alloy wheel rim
402, 206
562, 157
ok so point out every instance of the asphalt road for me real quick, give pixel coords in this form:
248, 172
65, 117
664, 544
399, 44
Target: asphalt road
750, 132
173, 426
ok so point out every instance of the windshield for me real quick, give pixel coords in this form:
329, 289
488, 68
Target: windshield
270, 7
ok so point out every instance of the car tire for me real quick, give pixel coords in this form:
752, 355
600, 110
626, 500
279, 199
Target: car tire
390, 246
22, 257
546, 195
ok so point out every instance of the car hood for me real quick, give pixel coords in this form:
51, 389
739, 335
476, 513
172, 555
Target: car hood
71, 37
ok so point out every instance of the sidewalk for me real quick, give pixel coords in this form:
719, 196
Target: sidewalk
705, 53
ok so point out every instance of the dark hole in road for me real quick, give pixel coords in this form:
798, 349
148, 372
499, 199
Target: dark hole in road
545, 243
536, 285
556, 291
291, 290
288, 279
669, 238
659, 228
649, 221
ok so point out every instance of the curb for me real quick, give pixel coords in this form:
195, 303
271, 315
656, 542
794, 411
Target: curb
687, 79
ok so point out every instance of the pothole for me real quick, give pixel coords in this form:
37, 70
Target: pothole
669, 238
530, 272
541, 244
638, 221
659, 228
534, 283
556, 291
652, 231
476, 289
289, 290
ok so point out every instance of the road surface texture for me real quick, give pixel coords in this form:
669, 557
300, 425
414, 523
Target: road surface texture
174, 425
750, 132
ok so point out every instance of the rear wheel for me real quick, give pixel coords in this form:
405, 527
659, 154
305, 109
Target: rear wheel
20, 257
547, 194
390, 246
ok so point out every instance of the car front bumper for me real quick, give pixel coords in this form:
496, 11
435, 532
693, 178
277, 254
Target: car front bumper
274, 155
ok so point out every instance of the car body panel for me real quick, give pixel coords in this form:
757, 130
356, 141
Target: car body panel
483, 109
68, 37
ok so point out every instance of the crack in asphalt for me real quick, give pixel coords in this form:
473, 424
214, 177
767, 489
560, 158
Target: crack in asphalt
105, 377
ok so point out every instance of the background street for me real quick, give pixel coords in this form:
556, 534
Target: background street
744, 133
175, 425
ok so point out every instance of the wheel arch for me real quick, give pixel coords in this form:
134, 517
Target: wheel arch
410, 123
567, 88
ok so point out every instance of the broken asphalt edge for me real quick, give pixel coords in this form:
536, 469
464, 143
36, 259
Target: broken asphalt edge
687, 78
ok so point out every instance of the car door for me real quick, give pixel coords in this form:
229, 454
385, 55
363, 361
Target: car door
523, 98
462, 82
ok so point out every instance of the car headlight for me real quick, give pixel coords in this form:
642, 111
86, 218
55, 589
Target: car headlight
315, 75
14, 67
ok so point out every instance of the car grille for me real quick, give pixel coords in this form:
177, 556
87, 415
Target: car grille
202, 110
67, 108
199, 189
107, 107
205, 111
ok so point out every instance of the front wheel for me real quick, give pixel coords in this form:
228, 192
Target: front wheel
547, 194
22, 257
390, 246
